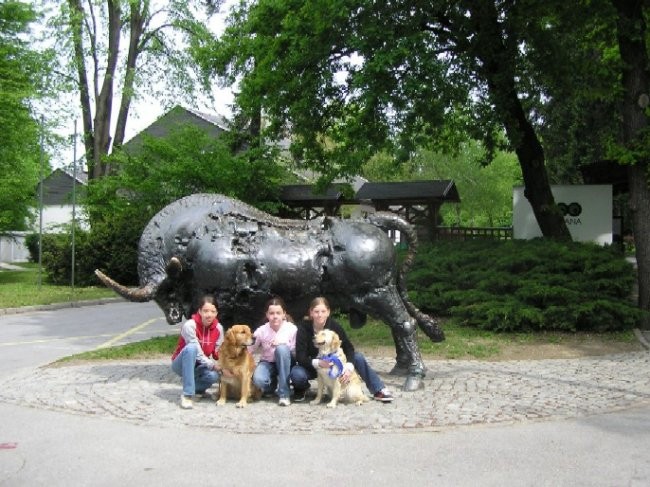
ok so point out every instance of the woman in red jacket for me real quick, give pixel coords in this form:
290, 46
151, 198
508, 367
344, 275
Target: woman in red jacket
195, 357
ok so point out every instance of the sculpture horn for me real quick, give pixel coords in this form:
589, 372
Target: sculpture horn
139, 295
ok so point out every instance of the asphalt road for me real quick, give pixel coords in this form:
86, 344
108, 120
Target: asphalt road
34, 338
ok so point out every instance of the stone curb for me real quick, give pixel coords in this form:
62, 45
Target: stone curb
54, 306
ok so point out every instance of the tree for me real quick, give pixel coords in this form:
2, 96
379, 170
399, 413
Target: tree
600, 111
485, 190
154, 57
369, 76
21, 72
635, 80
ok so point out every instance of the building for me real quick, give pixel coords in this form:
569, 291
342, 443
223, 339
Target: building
61, 191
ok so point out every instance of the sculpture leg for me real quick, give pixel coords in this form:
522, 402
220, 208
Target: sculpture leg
406, 337
389, 307
402, 358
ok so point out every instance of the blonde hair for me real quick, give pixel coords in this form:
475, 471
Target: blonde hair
318, 301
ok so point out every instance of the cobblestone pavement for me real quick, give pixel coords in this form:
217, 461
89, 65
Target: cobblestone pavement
456, 393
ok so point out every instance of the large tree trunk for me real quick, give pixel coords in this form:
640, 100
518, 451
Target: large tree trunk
497, 68
631, 29
104, 102
137, 19
76, 22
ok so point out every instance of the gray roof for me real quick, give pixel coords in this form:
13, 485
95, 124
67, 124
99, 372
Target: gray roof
305, 193
411, 191
408, 192
175, 118
57, 187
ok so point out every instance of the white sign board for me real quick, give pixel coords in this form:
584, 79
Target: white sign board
587, 212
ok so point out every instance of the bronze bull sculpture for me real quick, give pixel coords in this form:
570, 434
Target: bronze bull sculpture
212, 244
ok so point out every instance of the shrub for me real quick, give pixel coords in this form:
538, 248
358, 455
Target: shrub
110, 246
523, 285
31, 242
57, 256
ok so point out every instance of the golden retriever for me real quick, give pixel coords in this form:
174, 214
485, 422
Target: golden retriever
237, 366
329, 348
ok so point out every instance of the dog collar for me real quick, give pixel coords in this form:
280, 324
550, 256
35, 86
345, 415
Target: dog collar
336, 362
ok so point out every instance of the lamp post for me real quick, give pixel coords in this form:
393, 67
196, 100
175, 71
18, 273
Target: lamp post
40, 211
74, 202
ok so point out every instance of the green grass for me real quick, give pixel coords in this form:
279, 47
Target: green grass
20, 288
375, 339
471, 343
151, 348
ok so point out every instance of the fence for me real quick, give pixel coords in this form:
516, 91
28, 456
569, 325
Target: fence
473, 233
13, 248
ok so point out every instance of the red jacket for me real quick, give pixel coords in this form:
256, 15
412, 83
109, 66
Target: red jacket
207, 337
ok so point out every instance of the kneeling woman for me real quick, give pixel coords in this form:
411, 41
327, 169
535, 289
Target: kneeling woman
306, 353
197, 351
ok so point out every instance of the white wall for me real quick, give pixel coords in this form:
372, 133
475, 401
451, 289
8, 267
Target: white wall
13, 248
588, 212
54, 215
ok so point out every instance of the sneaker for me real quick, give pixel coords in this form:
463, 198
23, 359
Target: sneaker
200, 395
186, 402
384, 395
284, 401
299, 396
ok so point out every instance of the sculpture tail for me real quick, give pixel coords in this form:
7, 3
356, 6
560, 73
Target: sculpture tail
391, 221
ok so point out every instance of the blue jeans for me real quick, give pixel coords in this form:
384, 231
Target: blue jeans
300, 376
268, 374
196, 378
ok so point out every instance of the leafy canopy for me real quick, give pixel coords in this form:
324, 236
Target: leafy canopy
21, 72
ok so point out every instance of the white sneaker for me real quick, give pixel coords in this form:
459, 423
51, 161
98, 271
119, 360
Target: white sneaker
186, 402
284, 401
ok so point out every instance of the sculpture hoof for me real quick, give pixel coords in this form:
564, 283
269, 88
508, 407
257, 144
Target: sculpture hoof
413, 383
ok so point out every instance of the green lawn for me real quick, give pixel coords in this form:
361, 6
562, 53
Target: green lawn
20, 288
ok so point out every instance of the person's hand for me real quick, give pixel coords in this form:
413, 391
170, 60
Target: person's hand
227, 373
324, 364
345, 376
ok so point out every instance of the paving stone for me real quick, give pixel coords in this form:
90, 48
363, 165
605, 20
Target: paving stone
456, 393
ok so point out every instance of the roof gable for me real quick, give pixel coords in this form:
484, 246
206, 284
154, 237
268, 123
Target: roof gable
58, 186
175, 118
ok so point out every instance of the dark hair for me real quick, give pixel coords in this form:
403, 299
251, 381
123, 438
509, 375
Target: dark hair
207, 299
278, 301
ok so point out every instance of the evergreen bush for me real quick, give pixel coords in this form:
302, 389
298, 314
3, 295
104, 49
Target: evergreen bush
525, 285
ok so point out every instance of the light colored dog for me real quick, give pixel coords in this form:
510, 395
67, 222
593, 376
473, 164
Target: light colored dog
329, 348
237, 365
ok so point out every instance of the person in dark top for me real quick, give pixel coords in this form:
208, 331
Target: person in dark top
307, 353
